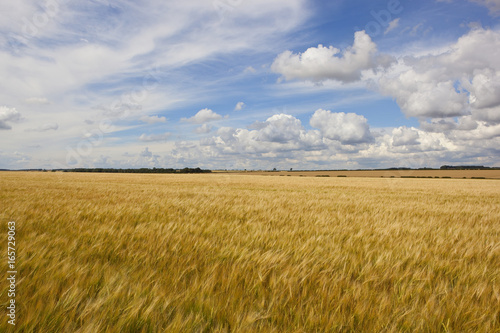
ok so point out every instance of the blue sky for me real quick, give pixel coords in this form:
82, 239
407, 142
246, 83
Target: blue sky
239, 84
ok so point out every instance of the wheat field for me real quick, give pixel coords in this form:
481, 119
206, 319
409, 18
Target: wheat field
233, 253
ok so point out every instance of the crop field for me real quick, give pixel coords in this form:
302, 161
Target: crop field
462, 174
250, 253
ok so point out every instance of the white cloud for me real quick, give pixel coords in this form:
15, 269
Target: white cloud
348, 128
279, 134
439, 126
281, 141
103, 51
485, 89
280, 128
8, 115
146, 153
203, 116
153, 119
392, 25
203, 129
79, 59
439, 85
146, 158
239, 106
492, 5
44, 128
37, 100
483, 131
323, 63
250, 69
419, 95
416, 29
154, 137
403, 136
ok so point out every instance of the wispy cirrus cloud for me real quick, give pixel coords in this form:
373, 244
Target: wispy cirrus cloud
155, 137
44, 128
37, 100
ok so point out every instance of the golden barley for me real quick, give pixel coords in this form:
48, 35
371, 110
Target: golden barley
237, 253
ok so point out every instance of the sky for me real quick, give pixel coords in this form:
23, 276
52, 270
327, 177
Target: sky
249, 84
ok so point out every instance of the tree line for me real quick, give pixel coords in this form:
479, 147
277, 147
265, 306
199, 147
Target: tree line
466, 167
140, 170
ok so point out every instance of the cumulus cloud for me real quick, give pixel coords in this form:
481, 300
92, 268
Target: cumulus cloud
239, 106
348, 128
146, 153
146, 158
203, 116
153, 119
463, 80
483, 131
323, 63
203, 129
484, 97
8, 115
282, 141
279, 134
270, 144
282, 136
438, 126
280, 128
403, 136
485, 89
154, 137
419, 95
466, 123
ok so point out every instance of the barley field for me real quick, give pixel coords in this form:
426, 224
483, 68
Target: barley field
240, 253
467, 174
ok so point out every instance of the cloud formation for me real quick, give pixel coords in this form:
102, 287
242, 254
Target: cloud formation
492, 5
8, 115
329, 63
203, 116
282, 140
153, 119
239, 106
167, 58
403, 136
347, 128
44, 128
37, 100
203, 129
392, 25
155, 137
283, 134
463, 80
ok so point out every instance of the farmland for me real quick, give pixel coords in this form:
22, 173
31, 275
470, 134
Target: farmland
459, 174
250, 253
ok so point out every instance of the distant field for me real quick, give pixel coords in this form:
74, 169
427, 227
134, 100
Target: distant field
248, 253
489, 174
